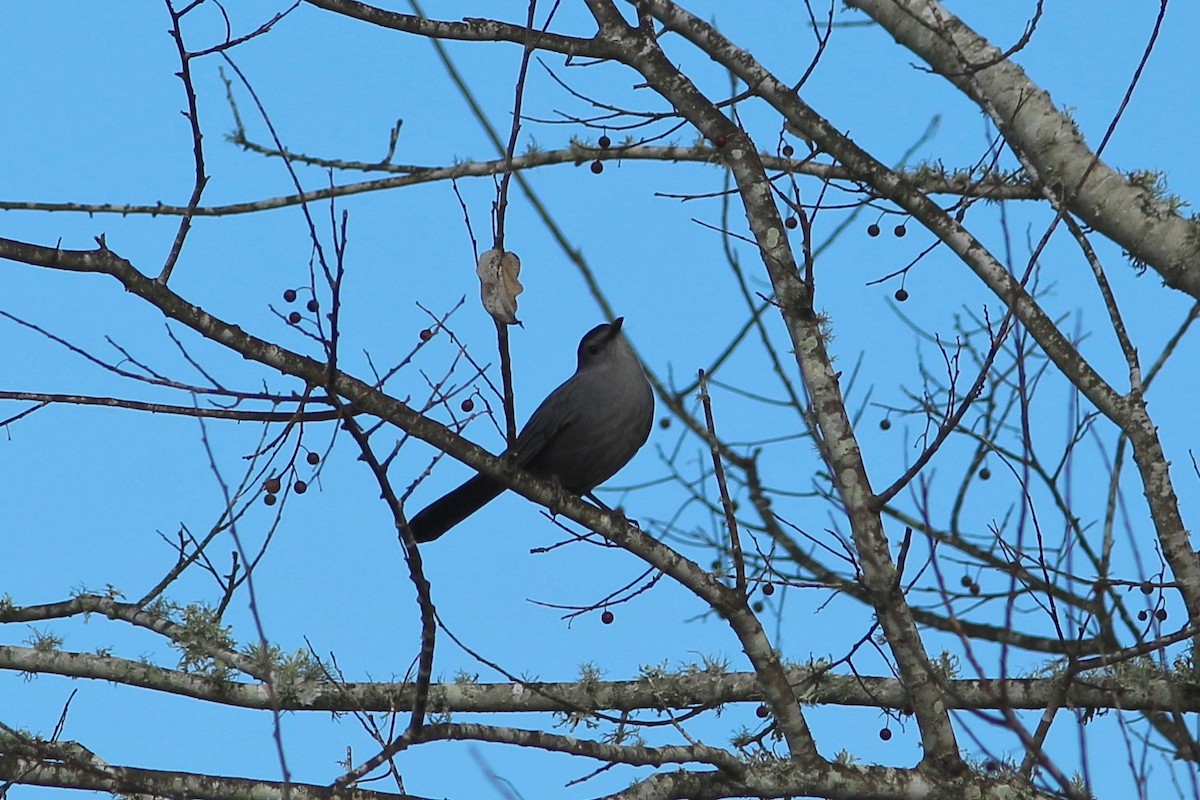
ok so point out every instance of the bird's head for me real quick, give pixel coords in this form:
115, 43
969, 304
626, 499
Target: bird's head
601, 344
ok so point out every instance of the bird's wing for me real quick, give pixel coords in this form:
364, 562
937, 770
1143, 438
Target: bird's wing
552, 418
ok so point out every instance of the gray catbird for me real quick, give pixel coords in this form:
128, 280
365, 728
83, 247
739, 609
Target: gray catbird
580, 435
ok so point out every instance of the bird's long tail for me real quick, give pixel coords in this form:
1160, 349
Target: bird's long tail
443, 514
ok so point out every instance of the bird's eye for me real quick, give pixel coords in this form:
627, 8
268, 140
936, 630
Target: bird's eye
593, 349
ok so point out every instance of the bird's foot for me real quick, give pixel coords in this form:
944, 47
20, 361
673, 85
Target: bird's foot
619, 511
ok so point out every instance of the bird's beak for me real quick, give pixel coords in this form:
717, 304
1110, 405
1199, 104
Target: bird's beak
615, 328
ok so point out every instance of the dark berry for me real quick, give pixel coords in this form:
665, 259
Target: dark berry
294, 317
966, 581
762, 712
270, 499
597, 167
312, 305
1142, 615
901, 295
604, 142
313, 458
289, 296
300, 486
1147, 588
885, 424
665, 422
272, 485
788, 151
721, 140
426, 335
757, 606
791, 222
985, 474
607, 618
872, 230
468, 405
975, 589
885, 734
768, 589
900, 231
1161, 614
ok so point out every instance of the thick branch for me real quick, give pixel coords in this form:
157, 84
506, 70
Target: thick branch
34, 771
678, 692
795, 298
638, 755
1132, 216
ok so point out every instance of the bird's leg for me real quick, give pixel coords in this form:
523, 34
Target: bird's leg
617, 510
591, 496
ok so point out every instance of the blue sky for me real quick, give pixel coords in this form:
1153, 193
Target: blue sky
93, 117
